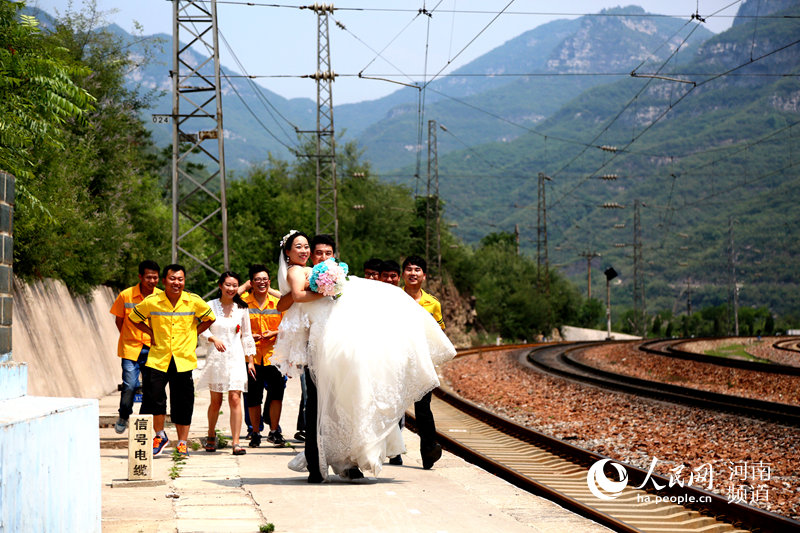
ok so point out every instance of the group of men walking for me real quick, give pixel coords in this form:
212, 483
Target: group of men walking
158, 338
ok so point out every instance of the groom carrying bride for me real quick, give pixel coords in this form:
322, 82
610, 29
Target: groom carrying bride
366, 371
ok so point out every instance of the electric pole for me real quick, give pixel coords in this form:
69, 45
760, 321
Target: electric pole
327, 220
733, 291
433, 237
589, 255
542, 262
197, 137
688, 296
639, 306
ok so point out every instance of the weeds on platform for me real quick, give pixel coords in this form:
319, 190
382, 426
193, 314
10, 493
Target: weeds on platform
222, 440
266, 528
179, 461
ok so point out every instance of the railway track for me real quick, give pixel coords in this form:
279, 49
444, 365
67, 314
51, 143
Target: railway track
560, 472
563, 362
671, 348
789, 345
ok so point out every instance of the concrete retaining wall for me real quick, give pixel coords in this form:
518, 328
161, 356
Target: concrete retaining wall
49, 464
69, 343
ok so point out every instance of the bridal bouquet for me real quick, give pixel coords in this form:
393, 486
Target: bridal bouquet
328, 278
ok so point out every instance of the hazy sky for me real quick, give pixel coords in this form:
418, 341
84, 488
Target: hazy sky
281, 41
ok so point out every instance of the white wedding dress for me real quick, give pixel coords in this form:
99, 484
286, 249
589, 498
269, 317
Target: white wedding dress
226, 371
371, 353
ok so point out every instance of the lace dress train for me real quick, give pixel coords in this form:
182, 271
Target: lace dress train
371, 353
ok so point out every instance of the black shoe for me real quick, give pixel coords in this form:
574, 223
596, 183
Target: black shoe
431, 455
315, 478
353, 473
397, 460
276, 438
300, 435
255, 440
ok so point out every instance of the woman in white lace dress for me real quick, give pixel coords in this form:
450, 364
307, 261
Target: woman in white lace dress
371, 353
231, 349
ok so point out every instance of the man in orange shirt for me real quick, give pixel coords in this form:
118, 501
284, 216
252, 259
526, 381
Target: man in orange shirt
133, 345
264, 321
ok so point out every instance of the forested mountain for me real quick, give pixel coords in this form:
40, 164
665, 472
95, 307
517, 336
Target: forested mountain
703, 134
486, 100
712, 140
563, 58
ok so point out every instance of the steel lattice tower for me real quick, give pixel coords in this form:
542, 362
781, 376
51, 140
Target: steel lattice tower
432, 228
327, 219
198, 194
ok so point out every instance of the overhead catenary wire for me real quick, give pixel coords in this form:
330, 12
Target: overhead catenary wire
516, 13
268, 106
675, 103
671, 106
612, 121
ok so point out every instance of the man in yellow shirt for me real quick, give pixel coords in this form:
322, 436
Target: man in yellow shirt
264, 322
175, 319
414, 275
133, 345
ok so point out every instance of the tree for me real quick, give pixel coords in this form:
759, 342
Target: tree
98, 180
657, 324
39, 94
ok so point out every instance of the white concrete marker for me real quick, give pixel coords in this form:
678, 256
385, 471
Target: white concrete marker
140, 447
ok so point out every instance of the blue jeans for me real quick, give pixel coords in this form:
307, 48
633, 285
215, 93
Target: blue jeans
130, 382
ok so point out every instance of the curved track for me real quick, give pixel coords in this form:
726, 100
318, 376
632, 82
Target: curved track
561, 361
789, 345
559, 471
671, 348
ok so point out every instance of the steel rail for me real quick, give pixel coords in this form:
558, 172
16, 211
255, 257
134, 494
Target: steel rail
566, 481
565, 364
672, 350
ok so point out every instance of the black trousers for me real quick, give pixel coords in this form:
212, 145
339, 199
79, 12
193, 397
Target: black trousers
426, 427
181, 393
311, 450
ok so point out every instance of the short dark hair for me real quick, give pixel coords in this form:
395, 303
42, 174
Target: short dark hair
148, 264
389, 266
373, 264
322, 239
255, 269
416, 261
175, 267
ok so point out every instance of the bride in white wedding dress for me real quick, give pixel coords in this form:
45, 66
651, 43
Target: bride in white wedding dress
371, 353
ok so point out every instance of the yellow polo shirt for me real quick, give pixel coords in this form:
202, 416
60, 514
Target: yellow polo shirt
131, 339
262, 319
174, 328
432, 305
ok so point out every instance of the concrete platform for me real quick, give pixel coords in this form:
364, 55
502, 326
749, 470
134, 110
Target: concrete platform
219, 492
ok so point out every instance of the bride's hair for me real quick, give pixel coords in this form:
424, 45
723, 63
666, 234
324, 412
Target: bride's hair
283, 262
287, 245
